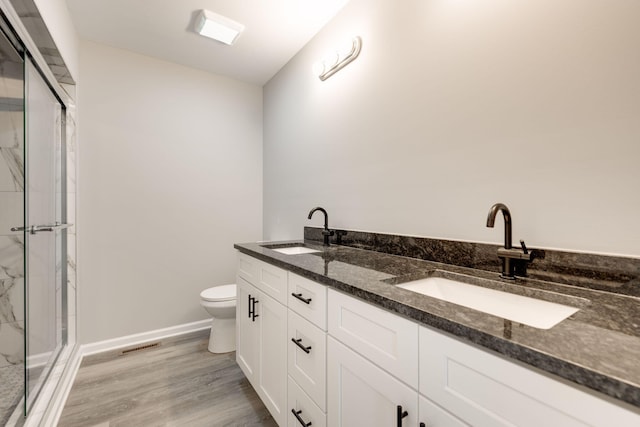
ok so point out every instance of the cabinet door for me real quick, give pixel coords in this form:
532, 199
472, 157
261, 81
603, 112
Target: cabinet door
272, 372
431, 415
362, 394
246, 331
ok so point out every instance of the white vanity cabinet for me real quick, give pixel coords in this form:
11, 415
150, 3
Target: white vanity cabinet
261, 333
318, 357
485, 389
281, 350
372, 369
372, 362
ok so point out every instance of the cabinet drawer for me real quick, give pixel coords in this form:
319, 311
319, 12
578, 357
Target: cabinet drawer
301, 405
308, 299
273, 282
308, 369
484, 389
248, 268
386, 339
266, 277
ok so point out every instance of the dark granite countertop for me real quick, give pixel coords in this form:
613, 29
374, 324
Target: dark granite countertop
598, 347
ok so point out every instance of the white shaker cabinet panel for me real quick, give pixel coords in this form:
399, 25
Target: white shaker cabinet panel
302, 411
431, 415
272, 372
386, 339
362, 394
267, 278
261, 346
272, 281
308, 299
308, 357
247, 347
248, 268
486, 390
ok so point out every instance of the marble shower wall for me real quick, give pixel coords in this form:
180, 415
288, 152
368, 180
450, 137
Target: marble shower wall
11, 215
71, 218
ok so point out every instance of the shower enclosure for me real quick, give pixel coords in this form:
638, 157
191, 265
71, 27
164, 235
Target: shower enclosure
33, 229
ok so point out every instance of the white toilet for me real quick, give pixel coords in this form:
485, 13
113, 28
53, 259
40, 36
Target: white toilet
220, 302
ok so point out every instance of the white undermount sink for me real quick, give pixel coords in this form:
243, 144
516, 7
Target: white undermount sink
295, 250
529, 311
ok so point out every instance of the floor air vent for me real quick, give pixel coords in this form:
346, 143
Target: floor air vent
140, 348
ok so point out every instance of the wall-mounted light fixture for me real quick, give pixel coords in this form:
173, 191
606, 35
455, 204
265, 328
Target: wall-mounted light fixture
336, 61
218, 27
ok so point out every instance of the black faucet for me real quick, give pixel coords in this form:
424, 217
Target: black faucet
514, 261
326, 233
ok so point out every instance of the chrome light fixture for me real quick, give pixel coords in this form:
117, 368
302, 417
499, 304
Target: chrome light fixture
338, 60
218, 27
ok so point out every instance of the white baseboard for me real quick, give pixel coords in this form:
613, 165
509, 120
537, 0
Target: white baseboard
135, 339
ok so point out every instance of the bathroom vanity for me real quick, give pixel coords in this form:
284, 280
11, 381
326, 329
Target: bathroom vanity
328, 337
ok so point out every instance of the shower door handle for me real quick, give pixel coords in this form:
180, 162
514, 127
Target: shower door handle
38, 228
53, 227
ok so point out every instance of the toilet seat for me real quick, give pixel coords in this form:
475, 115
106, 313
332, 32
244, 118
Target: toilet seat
219, 293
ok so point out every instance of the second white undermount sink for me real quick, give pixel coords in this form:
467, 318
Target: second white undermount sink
529, 311
295, 250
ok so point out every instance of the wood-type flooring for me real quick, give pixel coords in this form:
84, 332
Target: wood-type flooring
177, 383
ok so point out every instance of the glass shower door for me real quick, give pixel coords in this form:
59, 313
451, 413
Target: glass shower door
12, 318
45, 235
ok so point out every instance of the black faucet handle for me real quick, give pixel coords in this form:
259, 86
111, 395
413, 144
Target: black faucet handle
524, 247
327, 232
339, 234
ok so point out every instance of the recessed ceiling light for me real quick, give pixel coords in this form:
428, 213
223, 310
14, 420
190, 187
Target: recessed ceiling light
218, 27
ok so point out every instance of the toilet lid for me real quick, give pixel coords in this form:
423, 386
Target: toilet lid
219, 293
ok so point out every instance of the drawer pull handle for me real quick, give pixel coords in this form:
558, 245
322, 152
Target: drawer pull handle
299, 418
253, 310
250, 305
423, 425
401, 415
299, 296
297, 342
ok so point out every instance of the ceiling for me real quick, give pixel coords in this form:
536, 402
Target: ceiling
275, 30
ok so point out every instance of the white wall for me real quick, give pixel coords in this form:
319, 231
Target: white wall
455, 105
171, 177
